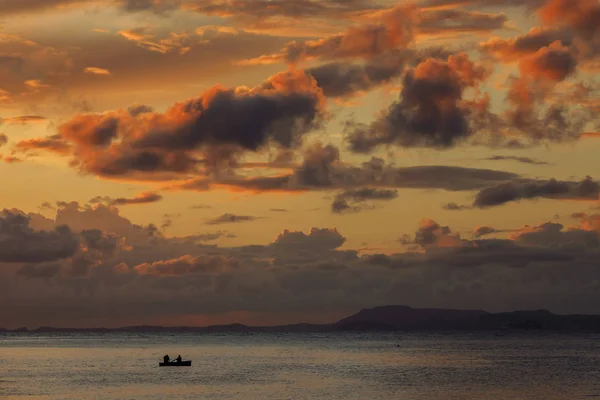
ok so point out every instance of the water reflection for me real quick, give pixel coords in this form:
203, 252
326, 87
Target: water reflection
301, 366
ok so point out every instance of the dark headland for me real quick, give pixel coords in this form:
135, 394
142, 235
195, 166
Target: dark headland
387, 318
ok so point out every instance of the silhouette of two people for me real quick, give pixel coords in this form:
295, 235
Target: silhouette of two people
167, 360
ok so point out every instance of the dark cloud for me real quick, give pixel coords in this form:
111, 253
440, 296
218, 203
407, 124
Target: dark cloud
429, 112
318, 166
524, 160
197, 132
168, 220
322, 169
446, 177
553, 235
343, 78
483, 231
295, 248
430, 233
39, 271
142, 198
356, 199
339, 79
579, 215
138, 109
20, 243
207, 237
504, 193
581, 15
25, 6
530, 4
102, 217
455, 207
3, 139
554, 63
47, 206
251, 11
15, 7
150, 278
200, 207
323, 239
230, 218
95, 239
514, 49
187, 265
458, 20
503, 253
157, 6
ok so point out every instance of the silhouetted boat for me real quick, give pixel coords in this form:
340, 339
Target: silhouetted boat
175, 364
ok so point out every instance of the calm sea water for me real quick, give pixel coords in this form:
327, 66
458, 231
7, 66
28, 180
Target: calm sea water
302, 366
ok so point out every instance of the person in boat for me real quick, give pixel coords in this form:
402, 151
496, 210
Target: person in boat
166, 359
178, 359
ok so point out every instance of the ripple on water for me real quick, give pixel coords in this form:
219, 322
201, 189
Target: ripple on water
344, 366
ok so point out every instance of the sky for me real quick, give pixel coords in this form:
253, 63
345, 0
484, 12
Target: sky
195, 162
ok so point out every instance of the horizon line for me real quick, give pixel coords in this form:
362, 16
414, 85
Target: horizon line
122, 327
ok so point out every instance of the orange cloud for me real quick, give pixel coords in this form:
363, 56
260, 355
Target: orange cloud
447, 22
53, 144
195, 135
25, 6
96, 71
5, 96
553, 63
174, 41
393, 31
584, 15
591, 135
591, 223
142, 198
186, 265
10, 159
307, 18
23, 120
35, 84
514, 49
210, 30
384, 30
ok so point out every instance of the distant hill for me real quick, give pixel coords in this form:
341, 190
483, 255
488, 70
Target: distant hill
385, 318
407, 318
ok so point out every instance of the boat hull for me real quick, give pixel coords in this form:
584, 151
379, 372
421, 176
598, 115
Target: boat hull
175, 364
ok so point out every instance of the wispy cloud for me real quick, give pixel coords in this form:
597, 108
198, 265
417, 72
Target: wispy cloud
96, 71
230, 218
142, 198
524, 160
23, 120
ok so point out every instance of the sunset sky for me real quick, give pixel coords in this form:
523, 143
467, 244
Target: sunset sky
194, 162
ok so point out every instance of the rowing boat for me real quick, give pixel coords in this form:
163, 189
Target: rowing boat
175, 364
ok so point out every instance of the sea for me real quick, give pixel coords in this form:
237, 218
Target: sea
344, 366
